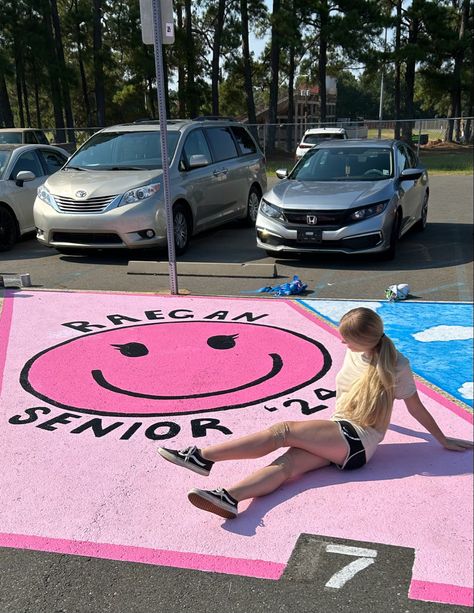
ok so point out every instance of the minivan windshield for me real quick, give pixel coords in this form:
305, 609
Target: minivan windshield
123, 151
344, 164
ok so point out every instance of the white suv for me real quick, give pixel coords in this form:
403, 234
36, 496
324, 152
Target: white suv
110, 193
314, 136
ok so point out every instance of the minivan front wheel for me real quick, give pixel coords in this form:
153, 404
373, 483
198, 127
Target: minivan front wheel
253, 203
8, 229
182, 228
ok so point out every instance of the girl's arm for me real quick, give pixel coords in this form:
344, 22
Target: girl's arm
418, 411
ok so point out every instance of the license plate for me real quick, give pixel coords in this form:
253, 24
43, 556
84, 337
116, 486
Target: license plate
309, 236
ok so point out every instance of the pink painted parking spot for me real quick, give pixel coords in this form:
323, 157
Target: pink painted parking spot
81, 473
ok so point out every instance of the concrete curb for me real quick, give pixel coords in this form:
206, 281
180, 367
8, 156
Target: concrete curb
204, 269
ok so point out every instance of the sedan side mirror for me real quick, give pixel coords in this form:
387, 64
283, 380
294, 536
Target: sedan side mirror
24, 175
411, 174
282, 173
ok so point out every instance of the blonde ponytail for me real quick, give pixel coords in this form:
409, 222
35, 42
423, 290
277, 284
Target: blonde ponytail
369, 402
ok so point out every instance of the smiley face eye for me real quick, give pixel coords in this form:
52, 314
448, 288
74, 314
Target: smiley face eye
222, 342
132, 350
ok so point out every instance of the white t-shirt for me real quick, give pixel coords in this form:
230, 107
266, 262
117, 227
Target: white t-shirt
353, 367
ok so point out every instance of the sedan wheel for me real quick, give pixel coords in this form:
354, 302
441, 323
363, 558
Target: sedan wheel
423, 221
8, 229
252, 207
182, 229
390, 253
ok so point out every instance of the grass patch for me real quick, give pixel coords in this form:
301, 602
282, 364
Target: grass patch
448, 162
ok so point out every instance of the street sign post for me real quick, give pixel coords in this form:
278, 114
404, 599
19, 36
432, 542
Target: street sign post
159, 14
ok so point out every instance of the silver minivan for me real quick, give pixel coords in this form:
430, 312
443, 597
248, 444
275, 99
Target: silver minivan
110, 192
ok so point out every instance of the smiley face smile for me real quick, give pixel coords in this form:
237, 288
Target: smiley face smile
101, 380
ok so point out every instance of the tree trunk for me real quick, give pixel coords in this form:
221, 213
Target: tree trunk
322, 60
25, 98
274, 75
63, 74
39, 122
192, 102
290, 131
98, 64
6, 115
216, 52
82, 72
18, 81
181, 70
458, 64
247, 64
397, 93
53, 71
407, 128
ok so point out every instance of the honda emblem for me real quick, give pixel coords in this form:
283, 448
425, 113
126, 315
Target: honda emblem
311, 220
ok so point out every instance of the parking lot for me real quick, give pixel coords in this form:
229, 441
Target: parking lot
437, 264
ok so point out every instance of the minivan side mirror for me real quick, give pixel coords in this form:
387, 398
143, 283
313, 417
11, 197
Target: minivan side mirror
282, 173
198, 161
411, 174
24, 175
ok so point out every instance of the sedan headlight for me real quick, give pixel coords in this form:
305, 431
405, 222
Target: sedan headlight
369, 211
270, 210
45, 195
140, 193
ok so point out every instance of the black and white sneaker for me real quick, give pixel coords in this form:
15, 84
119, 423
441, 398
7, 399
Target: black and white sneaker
189, 458
218, 501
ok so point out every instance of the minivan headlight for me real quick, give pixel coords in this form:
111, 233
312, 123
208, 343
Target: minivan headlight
270, 210
140, 193
44, 194
369, 211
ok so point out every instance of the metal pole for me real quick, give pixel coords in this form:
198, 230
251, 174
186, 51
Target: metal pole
160, 79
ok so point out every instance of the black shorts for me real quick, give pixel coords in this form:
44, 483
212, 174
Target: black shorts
356, 456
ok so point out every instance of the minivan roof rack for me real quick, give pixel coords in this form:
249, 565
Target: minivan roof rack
212, 117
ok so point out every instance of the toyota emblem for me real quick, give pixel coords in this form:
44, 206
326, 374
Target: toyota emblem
81, 194
311, 220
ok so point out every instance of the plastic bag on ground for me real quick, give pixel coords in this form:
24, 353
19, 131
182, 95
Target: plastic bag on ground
286, 289
397, 292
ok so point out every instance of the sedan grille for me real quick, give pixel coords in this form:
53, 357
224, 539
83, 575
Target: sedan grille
326, 219
92, 205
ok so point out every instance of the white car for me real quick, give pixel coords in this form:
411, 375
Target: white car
314, 136
23, 168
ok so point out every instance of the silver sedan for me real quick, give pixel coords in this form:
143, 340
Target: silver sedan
23, 168
356, 196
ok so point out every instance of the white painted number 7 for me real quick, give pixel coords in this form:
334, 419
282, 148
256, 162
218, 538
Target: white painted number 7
365, 559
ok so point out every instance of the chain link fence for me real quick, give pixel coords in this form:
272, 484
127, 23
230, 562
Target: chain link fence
281, 139
284, 137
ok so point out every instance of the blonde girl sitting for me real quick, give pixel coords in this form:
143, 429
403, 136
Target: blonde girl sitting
373, 375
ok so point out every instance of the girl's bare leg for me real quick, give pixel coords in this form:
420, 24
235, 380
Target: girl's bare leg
291, 464
314, 444
319, 436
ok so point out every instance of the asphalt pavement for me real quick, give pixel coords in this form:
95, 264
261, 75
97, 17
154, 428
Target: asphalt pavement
437, 264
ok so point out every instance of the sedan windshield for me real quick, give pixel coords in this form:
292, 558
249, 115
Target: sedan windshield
123, 151
10, 138
314, 139
344, 164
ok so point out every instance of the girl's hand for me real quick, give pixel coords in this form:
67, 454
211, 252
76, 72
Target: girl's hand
457, 444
